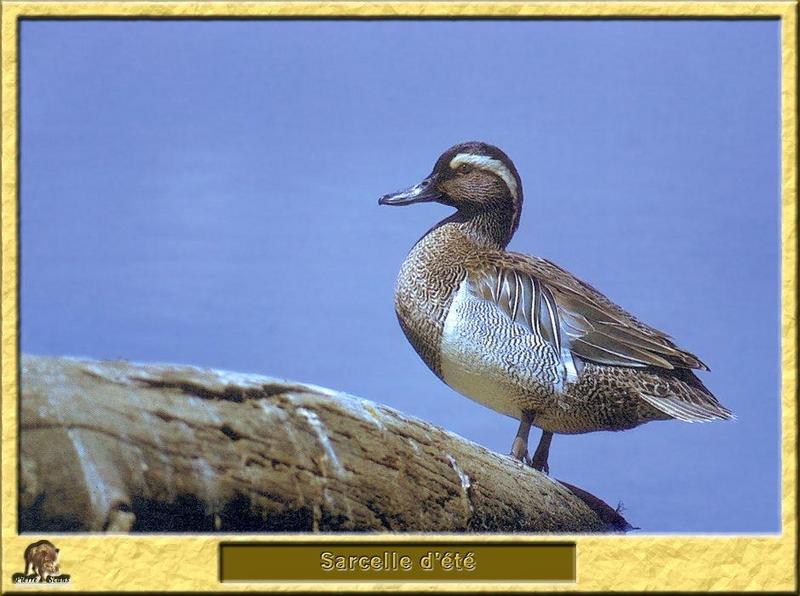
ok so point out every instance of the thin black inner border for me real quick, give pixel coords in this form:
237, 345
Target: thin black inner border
113, 18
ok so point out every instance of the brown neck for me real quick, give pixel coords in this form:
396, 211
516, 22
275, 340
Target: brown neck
492, 228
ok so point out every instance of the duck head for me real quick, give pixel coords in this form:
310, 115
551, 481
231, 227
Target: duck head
476, 178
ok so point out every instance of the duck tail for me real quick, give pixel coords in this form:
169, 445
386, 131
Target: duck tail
688, 399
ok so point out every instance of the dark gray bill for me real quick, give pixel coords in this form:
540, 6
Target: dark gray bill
419, 193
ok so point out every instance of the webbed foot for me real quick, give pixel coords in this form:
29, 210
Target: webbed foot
539, 460
519, 450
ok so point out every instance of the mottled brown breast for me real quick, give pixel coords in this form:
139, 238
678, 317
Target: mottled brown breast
429, 276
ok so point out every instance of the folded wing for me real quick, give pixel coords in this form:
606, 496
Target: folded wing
553, 304
581, 323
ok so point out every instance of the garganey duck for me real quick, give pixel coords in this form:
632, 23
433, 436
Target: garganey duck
520, 334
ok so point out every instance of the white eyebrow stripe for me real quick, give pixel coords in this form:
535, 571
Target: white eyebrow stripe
488, 163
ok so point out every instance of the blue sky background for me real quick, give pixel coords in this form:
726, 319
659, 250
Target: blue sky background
205, 193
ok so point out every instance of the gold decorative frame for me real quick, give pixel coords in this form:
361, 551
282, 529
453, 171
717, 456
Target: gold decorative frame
605, 563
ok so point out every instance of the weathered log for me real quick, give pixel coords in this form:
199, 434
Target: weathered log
118, 447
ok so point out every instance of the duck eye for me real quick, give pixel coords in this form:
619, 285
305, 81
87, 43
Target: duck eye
465, 168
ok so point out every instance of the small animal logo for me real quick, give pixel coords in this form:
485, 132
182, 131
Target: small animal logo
41, 565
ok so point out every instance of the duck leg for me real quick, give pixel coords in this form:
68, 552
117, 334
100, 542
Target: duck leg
519, 448
539, 461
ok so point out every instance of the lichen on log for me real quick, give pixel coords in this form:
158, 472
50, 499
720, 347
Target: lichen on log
121, 447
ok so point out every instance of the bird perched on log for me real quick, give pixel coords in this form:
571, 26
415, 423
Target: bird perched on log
518, 333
